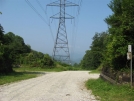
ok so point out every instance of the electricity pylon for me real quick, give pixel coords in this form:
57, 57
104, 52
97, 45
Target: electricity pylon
61, 49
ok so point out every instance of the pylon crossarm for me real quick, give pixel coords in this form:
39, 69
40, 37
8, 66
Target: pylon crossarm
61, 55
56, 3
68, 3
56, 16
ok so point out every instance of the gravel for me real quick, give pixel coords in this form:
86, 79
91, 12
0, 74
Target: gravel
54, 86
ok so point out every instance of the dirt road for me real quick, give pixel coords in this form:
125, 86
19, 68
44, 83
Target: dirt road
56, 86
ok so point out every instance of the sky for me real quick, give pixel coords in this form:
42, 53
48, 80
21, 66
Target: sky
39, 30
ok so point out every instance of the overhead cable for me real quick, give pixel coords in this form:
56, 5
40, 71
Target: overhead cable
36, 11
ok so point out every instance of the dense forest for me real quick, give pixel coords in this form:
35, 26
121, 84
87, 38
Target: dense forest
14, 52
109, 48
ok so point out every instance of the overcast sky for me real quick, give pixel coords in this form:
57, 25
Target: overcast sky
18, 17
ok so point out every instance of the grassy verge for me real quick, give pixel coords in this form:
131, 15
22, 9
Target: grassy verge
24, 69
56, 69
22, 73
109, 92
16, 76
26, 72
94, 71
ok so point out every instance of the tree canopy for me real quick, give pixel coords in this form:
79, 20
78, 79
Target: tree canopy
121, 30
93, 57
110, 49
14, 52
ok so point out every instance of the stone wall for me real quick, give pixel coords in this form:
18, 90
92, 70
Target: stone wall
117, 77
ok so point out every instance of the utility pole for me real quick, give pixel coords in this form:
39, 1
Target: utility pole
61, 49
129, 57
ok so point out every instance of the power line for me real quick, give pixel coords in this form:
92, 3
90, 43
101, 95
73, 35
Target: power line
76, 27
51, 32
42, 8
36, 11
47, 18
53, 13
73, 34
28, 2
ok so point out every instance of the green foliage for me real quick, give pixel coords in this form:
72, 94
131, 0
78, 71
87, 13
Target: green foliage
16, 76
1, 35
76, 65
5, 57
109, 49
37, 59
93, 57
109, 92
63, 64
47, 61
121, 25
14, 52
94, 71
86, 61
12, 47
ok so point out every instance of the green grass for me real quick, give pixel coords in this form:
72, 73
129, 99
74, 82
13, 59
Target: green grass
94, 71
26, 72
110, 92
56, 69
16, 76
24, 69
23, 73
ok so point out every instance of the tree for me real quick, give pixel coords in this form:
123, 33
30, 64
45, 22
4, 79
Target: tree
1, 34
121, 25
47, 61
76, 65
12, 48
93, 57
5, 57
86, 62
14, 51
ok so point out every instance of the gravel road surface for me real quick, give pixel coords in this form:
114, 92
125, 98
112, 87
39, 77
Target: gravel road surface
54, 86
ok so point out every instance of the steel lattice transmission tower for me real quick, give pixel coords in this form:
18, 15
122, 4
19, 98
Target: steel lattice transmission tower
61, 49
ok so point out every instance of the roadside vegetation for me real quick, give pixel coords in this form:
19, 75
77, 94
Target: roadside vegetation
58, 68
108, 52
26, 72
109, 48
14, 53
106, 91
16, 76
18, 61
95, 71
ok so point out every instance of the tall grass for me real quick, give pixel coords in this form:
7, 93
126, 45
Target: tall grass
94, 71
16, 76
26, 72
24, 69
110, 92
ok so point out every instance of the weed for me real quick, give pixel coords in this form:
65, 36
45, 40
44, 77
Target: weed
110, 92
94, 71
16, 76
